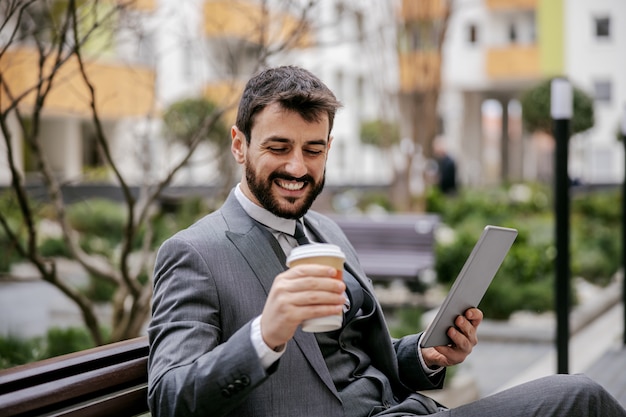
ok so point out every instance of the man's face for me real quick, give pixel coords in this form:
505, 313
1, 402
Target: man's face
285, 161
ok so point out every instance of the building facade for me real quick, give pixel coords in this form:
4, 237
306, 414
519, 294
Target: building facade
373, 54
496, 49
165, 51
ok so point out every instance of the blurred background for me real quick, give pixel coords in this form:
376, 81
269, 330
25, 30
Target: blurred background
115, 119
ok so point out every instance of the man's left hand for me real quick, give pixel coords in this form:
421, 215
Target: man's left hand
463, 338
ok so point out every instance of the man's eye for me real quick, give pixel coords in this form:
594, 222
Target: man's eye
277, 149
314, 151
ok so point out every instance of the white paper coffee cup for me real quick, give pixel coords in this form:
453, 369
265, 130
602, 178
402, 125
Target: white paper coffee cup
322, 254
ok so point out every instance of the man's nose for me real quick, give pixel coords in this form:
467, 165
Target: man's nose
296, 166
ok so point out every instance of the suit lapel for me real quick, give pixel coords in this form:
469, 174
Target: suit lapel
267, 261
259, 255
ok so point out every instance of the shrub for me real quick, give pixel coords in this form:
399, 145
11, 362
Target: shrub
8, 253
536, 109
98, 217
100, 290
525, 279
54, 247
405, 320
72, 339
15, 351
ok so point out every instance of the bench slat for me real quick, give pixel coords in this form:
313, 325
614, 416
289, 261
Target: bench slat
111, 377
132, 401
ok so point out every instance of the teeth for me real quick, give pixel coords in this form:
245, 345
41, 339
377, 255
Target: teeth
292, 186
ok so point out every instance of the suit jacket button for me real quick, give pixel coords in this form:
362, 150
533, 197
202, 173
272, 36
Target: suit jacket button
226, 393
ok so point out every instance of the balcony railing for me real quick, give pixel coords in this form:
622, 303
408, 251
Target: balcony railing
121, 91
252, 22
419, 71
511, 4
513, 62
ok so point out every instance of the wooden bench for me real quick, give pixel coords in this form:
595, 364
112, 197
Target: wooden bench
399, 246
110, 380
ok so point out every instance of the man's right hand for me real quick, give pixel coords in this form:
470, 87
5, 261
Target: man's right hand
298, 294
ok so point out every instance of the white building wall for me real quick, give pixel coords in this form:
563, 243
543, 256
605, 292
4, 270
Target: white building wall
464, 62
595, 156
179, 50
589, 60
361, 74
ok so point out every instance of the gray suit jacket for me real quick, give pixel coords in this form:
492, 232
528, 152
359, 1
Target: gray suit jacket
211, 280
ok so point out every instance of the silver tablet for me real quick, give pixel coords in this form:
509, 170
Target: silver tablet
471, 283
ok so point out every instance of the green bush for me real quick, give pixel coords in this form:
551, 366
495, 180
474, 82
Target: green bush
8, 253
15, 351
185, 213
525, 279
405, 320
536, 109
100, 290
380, 133
605, 206
72, 339
54, 247
596, 244
11, 213
98, 217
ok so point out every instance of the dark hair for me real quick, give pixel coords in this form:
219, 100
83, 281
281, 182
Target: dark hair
294, 88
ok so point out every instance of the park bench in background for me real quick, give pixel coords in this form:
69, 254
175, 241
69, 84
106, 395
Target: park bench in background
109, 380
394, 246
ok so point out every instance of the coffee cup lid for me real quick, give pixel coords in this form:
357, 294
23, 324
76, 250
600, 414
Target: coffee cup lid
315, 249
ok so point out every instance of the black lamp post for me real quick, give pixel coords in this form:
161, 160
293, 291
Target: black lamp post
623, 133
561, 110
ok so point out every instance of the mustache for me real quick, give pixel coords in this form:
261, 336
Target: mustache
287, 177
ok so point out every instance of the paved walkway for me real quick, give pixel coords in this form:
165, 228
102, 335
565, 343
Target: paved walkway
609, 371
595, 350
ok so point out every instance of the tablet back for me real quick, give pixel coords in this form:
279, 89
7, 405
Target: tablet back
471, 283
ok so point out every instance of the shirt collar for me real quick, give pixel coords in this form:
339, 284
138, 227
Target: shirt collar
264, 216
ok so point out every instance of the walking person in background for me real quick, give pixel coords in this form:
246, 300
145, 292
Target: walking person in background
446, 167
225, 335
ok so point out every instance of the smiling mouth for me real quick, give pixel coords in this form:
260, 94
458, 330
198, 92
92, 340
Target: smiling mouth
290, 185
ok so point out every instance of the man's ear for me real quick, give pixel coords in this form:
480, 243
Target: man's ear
330, 142
238, 144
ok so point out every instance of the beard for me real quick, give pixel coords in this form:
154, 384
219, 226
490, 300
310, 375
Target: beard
291, 209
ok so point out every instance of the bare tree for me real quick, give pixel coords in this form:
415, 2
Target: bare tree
423, 32
59, 31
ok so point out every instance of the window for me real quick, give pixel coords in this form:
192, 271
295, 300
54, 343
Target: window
603, 27
339, 11
360, 95
512, 33
472, 33
602, 90
145, 49
360, 26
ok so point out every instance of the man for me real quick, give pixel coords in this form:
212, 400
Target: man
225, 337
